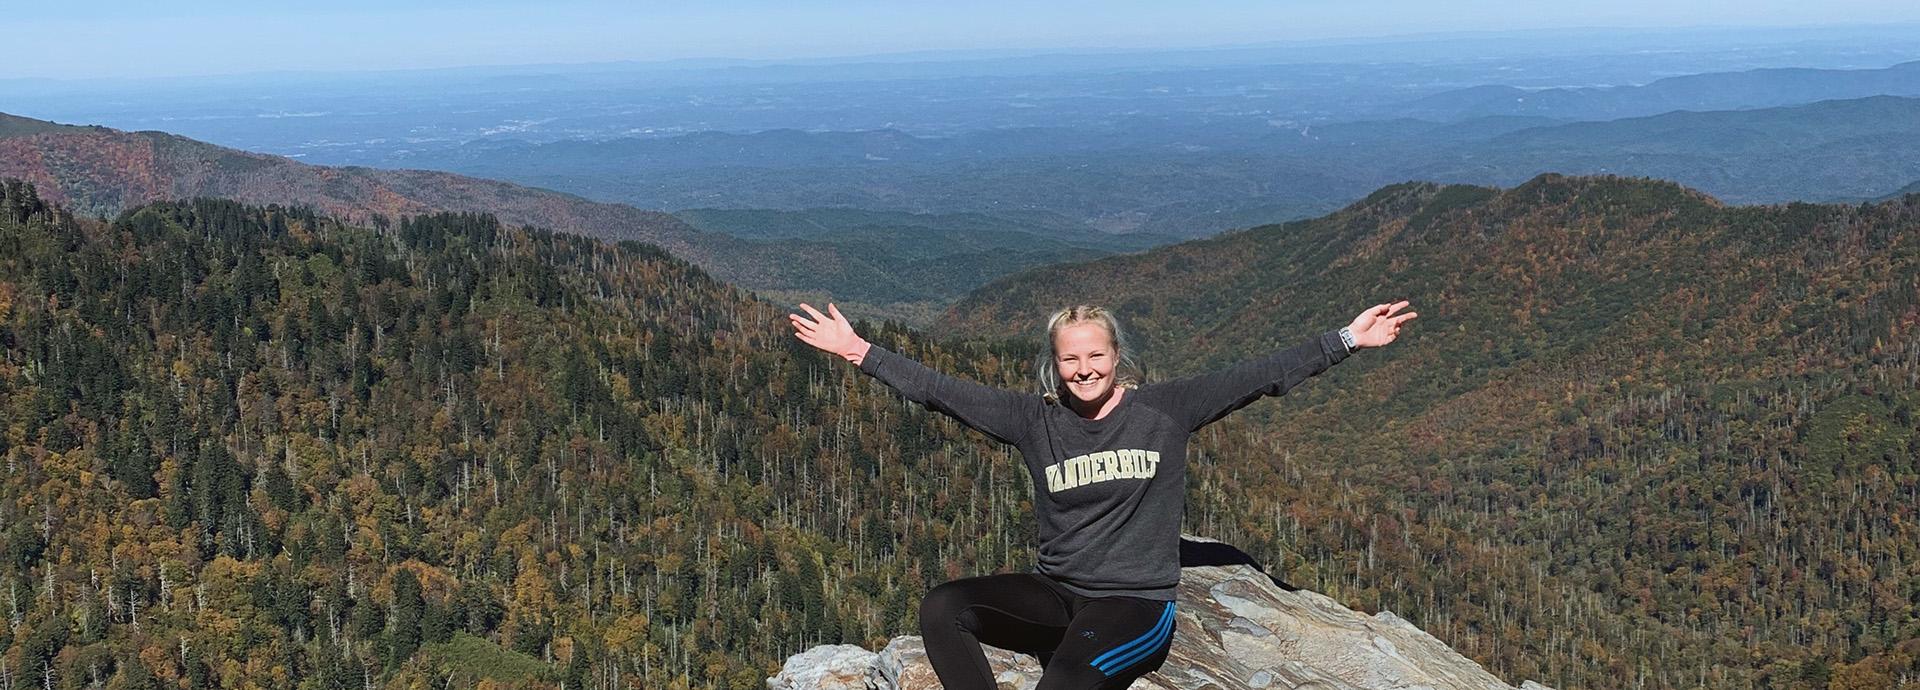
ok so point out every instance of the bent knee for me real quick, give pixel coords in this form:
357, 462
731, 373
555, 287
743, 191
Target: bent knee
943, 605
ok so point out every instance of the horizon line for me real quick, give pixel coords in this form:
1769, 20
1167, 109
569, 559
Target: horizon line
956, 55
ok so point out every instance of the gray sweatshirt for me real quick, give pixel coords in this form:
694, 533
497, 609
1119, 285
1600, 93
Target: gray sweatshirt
1109, 493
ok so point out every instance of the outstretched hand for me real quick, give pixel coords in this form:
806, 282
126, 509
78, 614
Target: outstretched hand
829, 332
1379, 325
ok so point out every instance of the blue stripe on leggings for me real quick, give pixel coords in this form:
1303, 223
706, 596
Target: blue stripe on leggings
1122, 649
1141, 654
1138, 648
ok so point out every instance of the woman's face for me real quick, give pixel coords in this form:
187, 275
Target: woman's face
1084, 355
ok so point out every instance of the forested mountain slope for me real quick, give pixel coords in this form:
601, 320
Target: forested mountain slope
98, 170
1679, 435
256, 447
252, 447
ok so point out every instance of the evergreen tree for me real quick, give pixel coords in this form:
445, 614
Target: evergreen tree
404, 623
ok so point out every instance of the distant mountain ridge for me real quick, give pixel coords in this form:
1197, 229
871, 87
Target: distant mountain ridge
104, 171
1208, 290
1858, 148
1903, 191
1760, 88
1192, 182
976, 229
15, 126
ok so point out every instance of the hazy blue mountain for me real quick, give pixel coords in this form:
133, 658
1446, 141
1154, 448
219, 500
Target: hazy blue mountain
903, 266
1187, 194
1903, 191
1166, 142
383, 118
1860, 148
981, 229
1760, 88
1187, 182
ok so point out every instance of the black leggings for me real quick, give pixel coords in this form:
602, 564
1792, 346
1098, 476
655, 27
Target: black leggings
1082, 642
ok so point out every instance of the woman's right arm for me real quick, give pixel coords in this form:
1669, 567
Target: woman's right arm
1004, 415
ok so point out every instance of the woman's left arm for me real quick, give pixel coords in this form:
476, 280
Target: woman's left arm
1200, 400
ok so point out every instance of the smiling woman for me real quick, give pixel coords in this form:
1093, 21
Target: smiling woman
1107, 460
1090, 357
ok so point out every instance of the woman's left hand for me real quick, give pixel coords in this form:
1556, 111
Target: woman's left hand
1379, 325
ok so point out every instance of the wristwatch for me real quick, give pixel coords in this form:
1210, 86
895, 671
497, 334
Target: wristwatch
1346, 338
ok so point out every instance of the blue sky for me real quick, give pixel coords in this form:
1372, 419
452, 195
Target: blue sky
125, 38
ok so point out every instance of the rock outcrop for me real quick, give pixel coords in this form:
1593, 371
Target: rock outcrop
1238, 628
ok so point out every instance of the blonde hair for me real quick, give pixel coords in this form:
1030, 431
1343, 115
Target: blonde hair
1126, 369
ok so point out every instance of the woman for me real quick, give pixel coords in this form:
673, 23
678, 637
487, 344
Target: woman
1107, 456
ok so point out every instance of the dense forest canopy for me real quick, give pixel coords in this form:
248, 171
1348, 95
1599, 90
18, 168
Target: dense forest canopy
258, 447
251, 447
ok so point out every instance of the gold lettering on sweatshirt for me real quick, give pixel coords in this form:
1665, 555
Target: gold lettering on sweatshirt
1106, 465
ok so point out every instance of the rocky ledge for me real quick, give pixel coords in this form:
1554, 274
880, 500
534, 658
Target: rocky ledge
1238, 628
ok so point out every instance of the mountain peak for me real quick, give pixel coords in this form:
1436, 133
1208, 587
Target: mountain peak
17, 126
104, 171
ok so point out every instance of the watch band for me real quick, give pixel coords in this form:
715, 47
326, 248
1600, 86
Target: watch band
1346, 338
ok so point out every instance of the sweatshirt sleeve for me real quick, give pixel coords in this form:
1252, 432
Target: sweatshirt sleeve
1004, 415
1197, 401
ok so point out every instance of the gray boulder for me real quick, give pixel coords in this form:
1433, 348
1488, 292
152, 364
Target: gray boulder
827, 667
1238, 628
